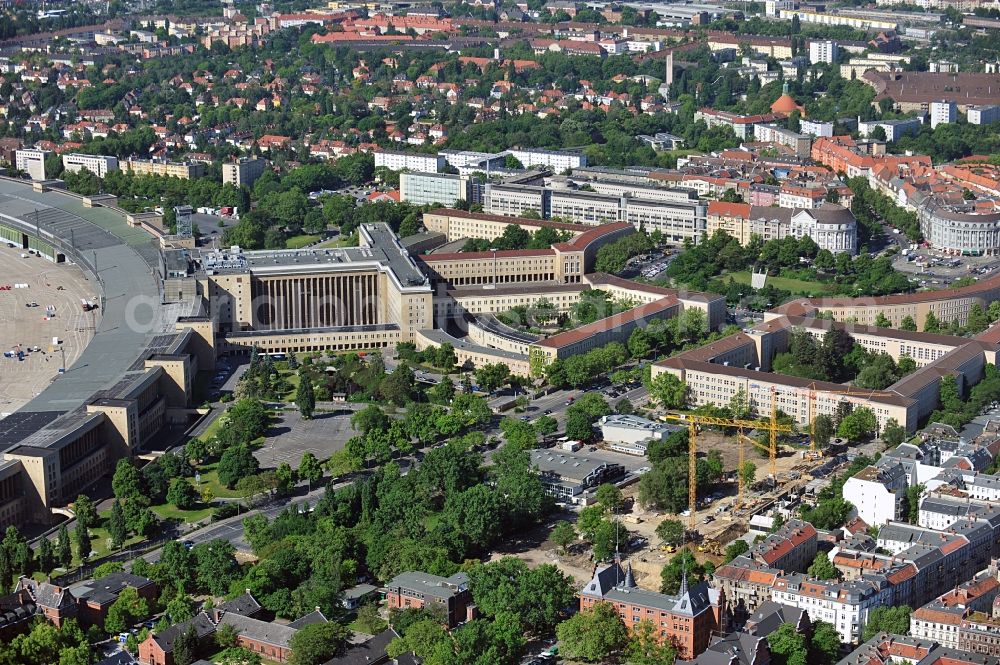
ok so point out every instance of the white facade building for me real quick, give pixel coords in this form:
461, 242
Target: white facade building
774, 7
557, 160
584, 207
940, 512
409, 161
844, 604
983, 115
516, 200
433, 188
823, 51
831, 226
31, 162
632, 429
894, 129
877, 493
942, 113
99, 165
816, 128
242, 172
676, 221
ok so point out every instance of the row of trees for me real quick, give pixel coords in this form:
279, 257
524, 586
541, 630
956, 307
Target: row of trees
613, 257
955, 410
699, 265
517, 237
438, 514
838, 358
872, 208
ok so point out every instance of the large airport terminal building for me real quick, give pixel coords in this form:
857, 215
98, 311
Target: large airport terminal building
170, 309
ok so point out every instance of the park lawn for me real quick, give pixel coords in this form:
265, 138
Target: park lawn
212, 429
292, 377
169, 511
99, 537
783, 283
210, 478
298, 242
340, 241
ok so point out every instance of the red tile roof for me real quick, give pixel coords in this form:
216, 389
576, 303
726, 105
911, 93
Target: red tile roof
724, 209
615, 321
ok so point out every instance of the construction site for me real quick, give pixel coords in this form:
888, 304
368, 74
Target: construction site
717, 515
722, 514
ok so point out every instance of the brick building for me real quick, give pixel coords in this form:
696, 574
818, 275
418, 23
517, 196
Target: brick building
54, 602
269, 640
450, 595
687, 620
95, 597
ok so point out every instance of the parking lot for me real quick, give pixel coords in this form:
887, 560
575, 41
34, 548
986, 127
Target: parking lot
651, 265
291, 437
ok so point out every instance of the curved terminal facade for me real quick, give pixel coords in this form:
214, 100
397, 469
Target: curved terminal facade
169, 309
132, 382
947, 305
715, 373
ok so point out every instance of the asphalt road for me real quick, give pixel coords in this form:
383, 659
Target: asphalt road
231, 529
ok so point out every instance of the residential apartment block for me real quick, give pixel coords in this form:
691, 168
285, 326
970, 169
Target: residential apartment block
409, 161
831, 226
556, 160
845, 605
243, 172
742, 125
31, 162
748, 580
677, 214
942, 619
823, 50
943, 112
444, 189
99, 165
983, 115
771, 133
161, 167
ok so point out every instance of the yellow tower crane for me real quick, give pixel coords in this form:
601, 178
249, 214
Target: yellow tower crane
696, 422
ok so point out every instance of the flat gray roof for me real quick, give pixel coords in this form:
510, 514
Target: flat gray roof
127, 261
430, 585
565, 464
383, 249
439, 336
